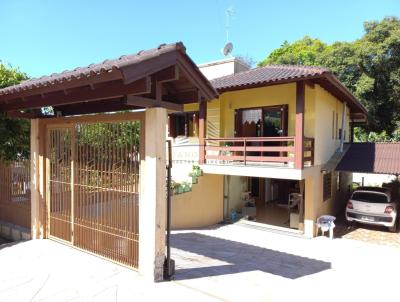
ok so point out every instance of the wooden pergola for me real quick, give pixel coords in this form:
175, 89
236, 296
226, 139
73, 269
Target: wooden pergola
160, 79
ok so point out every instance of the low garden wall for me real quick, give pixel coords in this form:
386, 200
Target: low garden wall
200, 207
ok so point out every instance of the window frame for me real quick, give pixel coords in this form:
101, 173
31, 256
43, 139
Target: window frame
188, 116
327, 186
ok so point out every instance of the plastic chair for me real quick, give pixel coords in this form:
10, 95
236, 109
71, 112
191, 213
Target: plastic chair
326, 223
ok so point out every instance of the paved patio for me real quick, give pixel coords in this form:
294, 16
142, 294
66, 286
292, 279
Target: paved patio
229, 263
240, 264
367, 233
44, 270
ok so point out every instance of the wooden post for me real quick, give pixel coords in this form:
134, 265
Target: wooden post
152, 202
299, 126
202, 130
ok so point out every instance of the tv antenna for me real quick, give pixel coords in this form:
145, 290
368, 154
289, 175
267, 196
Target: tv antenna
227, 50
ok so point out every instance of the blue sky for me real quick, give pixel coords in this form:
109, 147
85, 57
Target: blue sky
44, 36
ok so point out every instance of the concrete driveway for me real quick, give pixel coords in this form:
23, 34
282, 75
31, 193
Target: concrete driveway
229, 263
240, 264
44, 270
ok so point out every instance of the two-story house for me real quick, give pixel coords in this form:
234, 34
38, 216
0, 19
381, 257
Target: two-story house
265, 147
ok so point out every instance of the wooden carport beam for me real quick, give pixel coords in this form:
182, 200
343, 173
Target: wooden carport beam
132, 73
299, 126
142, 86
73, 83
26, 115
140, 101
169, 74
108, 105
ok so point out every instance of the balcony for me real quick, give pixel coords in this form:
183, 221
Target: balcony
257, 151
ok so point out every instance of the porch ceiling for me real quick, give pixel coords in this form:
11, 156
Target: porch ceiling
161, 77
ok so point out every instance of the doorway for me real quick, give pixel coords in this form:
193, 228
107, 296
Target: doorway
271, 121
278, 202
268, 121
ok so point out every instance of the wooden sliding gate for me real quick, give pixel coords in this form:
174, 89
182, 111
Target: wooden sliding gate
93, 187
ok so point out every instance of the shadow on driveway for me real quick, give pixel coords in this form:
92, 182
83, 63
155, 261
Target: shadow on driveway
5, 243
237, 257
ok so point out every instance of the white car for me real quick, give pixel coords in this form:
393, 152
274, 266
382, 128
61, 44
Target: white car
372, 205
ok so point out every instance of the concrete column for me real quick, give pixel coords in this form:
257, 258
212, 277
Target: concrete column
152, 204
37, 180
312, 199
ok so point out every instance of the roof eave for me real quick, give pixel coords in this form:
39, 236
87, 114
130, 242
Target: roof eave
266, 83
351, 98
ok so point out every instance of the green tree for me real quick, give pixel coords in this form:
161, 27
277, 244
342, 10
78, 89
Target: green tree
369, 67
302, 52
14, 133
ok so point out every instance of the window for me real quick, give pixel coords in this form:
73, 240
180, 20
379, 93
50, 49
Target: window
370, 197
183, 124
338, 181
337, 125
327, 189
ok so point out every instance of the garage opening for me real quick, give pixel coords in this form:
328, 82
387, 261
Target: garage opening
269, 202
93, 181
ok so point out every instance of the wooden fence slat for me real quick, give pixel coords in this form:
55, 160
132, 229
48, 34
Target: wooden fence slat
15, 206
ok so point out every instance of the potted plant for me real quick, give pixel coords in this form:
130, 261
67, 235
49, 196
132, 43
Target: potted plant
193, 175
197, 171
185, 186
174, 187
227, 153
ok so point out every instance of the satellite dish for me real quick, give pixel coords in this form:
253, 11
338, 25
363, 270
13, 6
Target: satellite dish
227, 50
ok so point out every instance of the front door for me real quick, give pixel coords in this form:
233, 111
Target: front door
261, 122
269, 121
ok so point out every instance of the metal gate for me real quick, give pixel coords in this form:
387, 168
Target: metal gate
93, 187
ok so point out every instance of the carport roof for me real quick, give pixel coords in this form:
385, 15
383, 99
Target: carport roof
161, 77
379, 158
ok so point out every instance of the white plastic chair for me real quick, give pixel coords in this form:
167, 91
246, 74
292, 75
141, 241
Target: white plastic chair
326, 223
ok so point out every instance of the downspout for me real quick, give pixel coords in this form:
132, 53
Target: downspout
343, 125
169, 265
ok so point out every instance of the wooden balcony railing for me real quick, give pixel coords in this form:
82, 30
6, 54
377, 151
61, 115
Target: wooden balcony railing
255, 150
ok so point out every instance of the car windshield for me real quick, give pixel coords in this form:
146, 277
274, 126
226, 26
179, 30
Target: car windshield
369, 197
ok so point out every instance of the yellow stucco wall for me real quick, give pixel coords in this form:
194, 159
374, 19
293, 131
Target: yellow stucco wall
203, 206
321, 109
316, 206
236, 185
256, 97
336, 204
326, 109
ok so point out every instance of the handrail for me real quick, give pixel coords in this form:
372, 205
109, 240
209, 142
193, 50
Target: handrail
269, 138
255, 149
